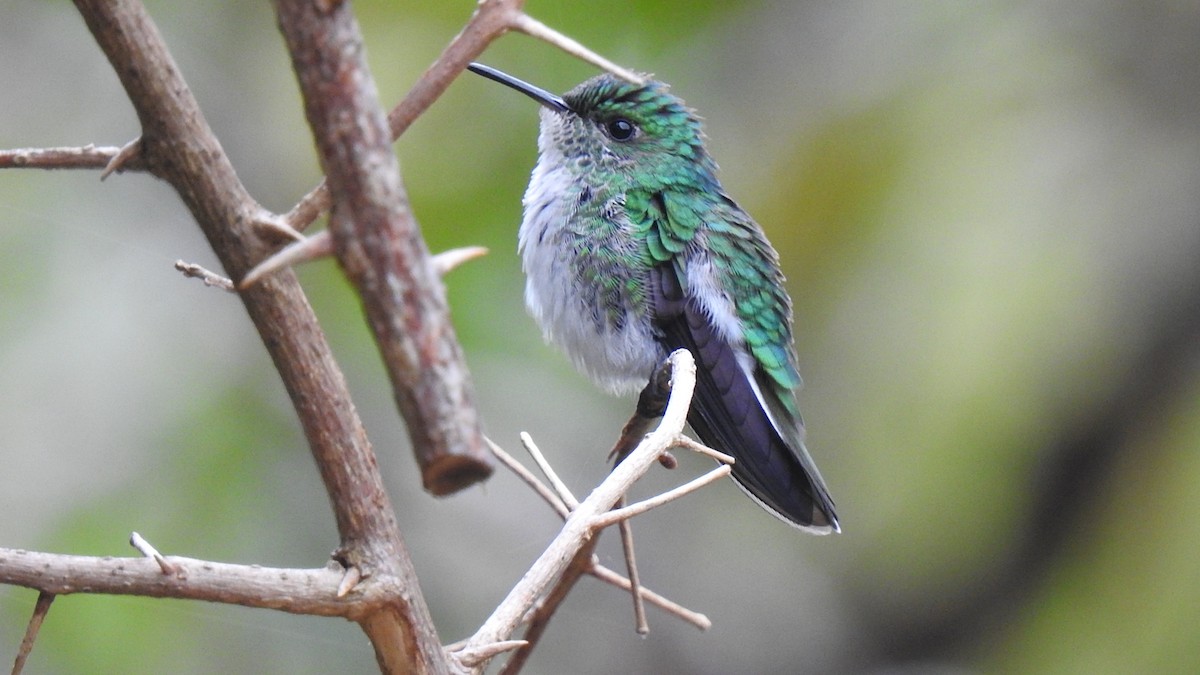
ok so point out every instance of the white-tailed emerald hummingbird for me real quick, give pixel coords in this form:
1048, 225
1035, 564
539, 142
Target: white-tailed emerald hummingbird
632, 249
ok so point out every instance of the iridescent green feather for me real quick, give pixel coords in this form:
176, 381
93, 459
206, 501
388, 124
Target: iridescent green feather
676, 197
671, 218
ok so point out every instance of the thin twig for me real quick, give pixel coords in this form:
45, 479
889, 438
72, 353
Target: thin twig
538, 618
299, 591
688, 443
669, 606
209, 278
534, 28
578, 530
531, 480
557, 483
40, 609
85, 157
596, 569
618, 515
538, 610
320, 245
635, 582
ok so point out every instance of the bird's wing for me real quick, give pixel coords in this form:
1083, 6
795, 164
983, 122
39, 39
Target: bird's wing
743, 404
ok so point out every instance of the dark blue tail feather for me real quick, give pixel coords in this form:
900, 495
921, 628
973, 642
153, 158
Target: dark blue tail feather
727, 415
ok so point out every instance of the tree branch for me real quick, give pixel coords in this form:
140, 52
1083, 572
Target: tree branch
298, 591
379, 246
179, 147
596, 569
580, 527
86, 157
492, 18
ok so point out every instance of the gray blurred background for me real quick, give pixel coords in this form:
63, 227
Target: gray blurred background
989, 218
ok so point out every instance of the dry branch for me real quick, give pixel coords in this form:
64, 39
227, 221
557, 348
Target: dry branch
492, 18
40, 609
86, 157
580, 527
178, 146
379, 246
298, 591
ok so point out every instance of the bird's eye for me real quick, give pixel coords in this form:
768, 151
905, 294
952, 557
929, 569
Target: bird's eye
620, 129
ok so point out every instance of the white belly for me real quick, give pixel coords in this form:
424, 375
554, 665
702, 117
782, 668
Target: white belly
618, 356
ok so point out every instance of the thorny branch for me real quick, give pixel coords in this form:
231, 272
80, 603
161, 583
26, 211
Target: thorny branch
585, 520
177, 145
492, 18
378, 243
598, 570
336, 591
371, 580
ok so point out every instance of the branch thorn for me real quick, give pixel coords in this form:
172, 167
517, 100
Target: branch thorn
447, 260
143, 546
277, 225
317, 246
349, 581
127, 152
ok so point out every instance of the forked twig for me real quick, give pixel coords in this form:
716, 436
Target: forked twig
625, 513
597, 570
531, 598
531, 480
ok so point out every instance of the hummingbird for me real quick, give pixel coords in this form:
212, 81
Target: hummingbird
632, 249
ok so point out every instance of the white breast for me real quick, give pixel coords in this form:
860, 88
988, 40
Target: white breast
619, 359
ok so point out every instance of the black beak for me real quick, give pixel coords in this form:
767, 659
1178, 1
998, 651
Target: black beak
538, 94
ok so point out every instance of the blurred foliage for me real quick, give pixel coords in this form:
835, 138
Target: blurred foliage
988, 217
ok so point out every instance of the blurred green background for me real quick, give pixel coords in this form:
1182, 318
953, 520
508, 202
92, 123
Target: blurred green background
989, 218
